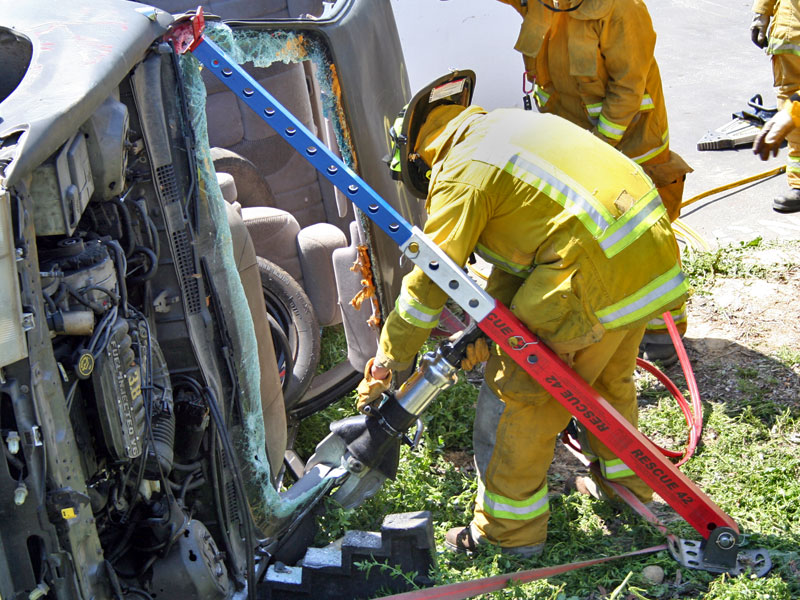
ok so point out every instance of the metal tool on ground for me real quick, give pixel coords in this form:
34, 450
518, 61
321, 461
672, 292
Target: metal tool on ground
741, 130
719, 530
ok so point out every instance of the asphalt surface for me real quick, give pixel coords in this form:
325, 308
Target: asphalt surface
709, 68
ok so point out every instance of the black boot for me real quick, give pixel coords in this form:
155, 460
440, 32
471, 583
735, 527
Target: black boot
788, 202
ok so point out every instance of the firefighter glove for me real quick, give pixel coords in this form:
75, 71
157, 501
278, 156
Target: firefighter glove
370, 389
773, 133
758, 30
477, 352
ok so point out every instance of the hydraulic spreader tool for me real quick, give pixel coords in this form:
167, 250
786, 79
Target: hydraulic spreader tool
720, 551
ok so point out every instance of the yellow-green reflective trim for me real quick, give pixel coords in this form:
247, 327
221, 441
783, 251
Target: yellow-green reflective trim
610, 129
655, 151
563, 190
500, 262
780, 47
594, 109
413, 311
615, 469
518, 510
662, 290
678, 315
632, 224
541, 96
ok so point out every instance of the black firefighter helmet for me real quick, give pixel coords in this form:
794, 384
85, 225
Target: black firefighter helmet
454, 88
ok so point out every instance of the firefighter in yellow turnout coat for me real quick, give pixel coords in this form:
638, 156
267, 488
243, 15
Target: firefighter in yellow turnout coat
776, 26
583, 254
592, 62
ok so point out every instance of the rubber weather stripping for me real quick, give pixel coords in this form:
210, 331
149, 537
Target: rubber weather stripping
719, 530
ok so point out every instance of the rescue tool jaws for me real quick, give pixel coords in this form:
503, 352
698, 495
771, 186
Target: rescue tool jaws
360, 437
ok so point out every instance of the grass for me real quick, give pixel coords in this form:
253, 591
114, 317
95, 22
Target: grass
748, 463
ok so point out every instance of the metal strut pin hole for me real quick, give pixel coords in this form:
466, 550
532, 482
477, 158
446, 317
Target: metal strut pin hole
473, 303
333, 169
433, 265
394, 227
311, 150
352, 188
533, 359
227, 72
248, 92
290, 131
269, 111
453, 284
215, 63
373, 208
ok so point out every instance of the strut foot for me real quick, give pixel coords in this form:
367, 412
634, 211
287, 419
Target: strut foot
720, 554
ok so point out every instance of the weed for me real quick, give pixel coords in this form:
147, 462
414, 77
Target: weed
748, 463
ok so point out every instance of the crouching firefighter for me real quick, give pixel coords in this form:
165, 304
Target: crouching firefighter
582, 252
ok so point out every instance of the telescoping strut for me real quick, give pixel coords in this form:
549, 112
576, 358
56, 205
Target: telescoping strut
720, 549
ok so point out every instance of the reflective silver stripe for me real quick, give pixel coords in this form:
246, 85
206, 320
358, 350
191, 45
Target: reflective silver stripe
654, 152
500, 262
679, 316
567, 192
541, 96
518, 510
609, 129
781, 47
663, 289
644, 218
594, 109
416, 313
614, 469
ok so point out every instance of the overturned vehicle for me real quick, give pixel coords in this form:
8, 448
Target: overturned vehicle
168, 267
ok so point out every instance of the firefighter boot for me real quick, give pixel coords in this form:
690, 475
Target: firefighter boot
468, 539
788, 202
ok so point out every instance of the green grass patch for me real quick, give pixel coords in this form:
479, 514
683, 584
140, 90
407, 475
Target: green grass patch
748, 462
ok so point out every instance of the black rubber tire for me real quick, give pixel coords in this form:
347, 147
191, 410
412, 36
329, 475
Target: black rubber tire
251, 187
290, 307
327, 388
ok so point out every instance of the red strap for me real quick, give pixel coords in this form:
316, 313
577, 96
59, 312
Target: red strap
470, 589
600, 418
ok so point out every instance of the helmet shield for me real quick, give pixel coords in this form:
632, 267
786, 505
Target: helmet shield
454, 88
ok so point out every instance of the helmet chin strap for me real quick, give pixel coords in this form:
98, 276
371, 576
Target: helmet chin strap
556, 9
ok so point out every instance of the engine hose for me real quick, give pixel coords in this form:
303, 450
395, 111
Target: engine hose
125, 220
150, 271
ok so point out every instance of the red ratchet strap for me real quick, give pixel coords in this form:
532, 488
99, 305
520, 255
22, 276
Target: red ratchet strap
475, 587
599, 417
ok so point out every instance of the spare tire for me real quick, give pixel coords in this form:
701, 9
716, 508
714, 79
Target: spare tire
296, 332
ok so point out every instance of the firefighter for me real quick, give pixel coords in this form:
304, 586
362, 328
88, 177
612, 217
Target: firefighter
592, 62
582, 252
776, 27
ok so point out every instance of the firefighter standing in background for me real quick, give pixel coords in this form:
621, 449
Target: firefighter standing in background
583, 254
781, 38
592, 63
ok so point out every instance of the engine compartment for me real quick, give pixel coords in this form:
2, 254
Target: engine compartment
121, 284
